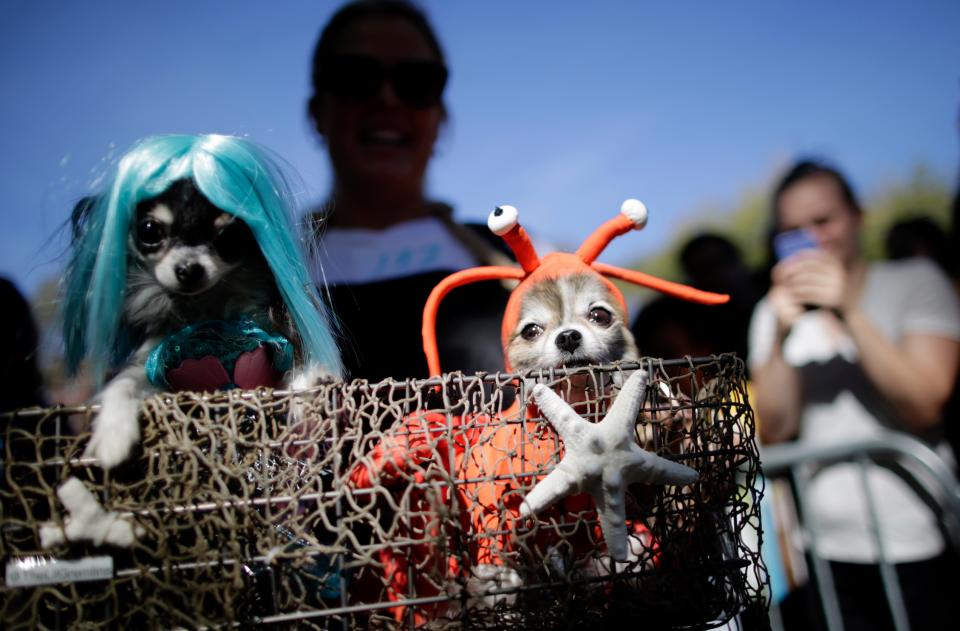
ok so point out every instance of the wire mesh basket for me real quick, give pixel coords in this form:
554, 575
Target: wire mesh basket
365, 507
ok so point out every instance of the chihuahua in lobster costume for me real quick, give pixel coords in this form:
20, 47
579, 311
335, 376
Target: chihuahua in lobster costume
564, 313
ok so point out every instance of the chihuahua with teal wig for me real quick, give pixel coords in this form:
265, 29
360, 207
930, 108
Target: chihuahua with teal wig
188, 272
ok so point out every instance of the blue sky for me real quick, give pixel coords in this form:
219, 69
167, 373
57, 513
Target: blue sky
562, 109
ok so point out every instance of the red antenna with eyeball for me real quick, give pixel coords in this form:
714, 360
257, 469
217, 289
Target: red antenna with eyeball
504, 221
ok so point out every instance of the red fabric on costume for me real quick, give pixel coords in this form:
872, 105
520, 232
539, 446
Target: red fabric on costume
495, 462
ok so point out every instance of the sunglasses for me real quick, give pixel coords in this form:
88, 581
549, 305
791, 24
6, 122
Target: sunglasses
417, 83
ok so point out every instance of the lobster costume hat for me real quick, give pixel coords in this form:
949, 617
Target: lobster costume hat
504, 222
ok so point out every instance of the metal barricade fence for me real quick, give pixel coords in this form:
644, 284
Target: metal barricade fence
798, 461
245, 517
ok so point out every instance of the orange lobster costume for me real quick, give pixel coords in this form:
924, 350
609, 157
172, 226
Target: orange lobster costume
485, 466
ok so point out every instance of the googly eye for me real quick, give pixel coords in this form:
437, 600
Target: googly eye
636, 211
502, 220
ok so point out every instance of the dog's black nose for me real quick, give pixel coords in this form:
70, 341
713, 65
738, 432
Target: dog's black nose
569, 340
189, 274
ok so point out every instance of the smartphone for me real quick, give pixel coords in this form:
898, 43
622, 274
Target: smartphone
790, 242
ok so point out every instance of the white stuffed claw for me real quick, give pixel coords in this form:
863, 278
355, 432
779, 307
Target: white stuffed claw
87, 521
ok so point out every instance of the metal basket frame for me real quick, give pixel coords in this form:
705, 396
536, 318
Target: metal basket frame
249, 517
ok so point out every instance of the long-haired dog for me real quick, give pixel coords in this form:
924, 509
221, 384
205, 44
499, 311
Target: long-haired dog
187, 273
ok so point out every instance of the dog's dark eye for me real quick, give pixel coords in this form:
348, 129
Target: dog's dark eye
531, 331
151, 232
600, 316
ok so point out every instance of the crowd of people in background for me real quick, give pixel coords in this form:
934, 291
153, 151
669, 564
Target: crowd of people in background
838, 347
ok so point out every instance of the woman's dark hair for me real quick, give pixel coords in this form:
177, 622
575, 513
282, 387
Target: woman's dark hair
807, 169
804, 170
358, 10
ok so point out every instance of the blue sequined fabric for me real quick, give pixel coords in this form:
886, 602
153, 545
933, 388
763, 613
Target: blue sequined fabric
224, 340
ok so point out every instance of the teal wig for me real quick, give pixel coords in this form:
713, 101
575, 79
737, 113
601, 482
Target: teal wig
237, 177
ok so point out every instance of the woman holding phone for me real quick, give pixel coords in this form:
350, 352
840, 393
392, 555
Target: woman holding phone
843, 350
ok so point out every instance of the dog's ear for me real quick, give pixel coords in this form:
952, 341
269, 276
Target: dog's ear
315, 113
81, 214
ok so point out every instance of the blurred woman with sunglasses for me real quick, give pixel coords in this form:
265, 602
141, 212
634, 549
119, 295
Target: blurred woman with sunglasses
378, 80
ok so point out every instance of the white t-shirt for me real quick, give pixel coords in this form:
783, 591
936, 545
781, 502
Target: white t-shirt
354, 256
841, 405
